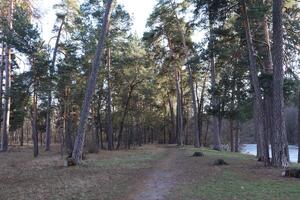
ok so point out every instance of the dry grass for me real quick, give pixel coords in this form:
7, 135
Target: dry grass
106, 175
120, 174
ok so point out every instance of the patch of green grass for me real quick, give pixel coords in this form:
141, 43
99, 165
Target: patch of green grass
135, 160
295, 165
229, 186
221, 154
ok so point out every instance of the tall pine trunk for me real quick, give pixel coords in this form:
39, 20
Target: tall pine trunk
179, 124
281, 155
2, 66
201, 109
79, 142
214, 99
109, 115
125, 112
173, 121
258, 105
299, 123
49, 106
7, 97
35, 138
191, 82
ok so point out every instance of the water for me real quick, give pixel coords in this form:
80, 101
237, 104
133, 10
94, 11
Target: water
251, 149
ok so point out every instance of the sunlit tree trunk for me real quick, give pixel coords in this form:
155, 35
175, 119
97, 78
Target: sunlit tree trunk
79, 142
281, 155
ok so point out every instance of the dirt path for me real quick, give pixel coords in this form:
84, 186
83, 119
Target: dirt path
160, 180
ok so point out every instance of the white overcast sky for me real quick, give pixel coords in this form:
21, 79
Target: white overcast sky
139, 10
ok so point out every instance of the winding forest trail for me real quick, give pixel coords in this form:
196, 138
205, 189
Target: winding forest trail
158, 182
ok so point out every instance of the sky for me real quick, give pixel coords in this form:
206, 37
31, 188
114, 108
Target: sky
139, 10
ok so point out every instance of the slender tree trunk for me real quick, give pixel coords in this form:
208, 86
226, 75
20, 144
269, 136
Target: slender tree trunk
299, 124
206, 131
2, 67
265, 51
7, 97
201, 108
191, 82
258, 105
196, 125
215, 101
179, 123
120, 135
231, 134
22, 136
35, 138
99, 125
67, 122
109, 115
236, 137
49, 106
173, 121
281, 154
79, 143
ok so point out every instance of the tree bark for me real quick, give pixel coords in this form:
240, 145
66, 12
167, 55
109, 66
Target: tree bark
35, 138
299, 123
120, 135
201, 108
258, 105
109, 115
191, 82
2, 67
173, 121
179, 123
214, 101
236, 137
7, 97
49, 106
79, 142
281, 155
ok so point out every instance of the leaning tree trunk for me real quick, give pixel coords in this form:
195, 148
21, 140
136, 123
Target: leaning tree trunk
49, 106
258, 105
109, 115
281, 155
79, 142
7, 97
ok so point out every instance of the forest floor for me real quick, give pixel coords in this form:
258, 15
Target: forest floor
152, 172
